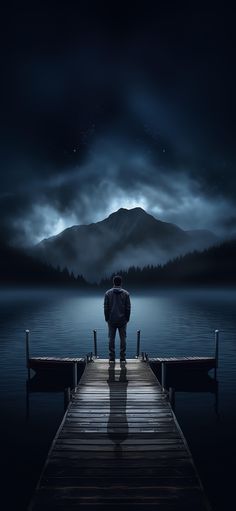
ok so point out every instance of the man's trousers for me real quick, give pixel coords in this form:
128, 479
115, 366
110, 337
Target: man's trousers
112, 334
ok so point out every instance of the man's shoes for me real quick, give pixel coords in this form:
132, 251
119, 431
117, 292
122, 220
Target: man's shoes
111, 360
122, 360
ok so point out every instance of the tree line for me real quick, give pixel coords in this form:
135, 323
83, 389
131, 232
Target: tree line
17, 267
213, 266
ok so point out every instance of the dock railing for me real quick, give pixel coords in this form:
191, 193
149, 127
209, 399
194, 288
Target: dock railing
95, 343
144, 356
138, 344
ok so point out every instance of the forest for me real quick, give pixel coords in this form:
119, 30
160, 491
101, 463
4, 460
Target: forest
212, 267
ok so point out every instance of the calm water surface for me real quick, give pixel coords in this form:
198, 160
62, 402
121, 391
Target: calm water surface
172, 323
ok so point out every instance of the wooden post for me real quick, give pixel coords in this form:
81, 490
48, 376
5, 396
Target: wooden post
66, 397
74, 375
216, 350
163, 375
27, 339
138, 344
95, 343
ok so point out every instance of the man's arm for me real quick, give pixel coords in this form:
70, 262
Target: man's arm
127, 307
106, 307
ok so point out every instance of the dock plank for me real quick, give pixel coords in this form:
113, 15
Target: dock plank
119, 446
204, 363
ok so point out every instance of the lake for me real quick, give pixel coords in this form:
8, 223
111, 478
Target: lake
172, 323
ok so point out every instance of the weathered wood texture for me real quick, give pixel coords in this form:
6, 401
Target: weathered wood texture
186, 363
119, 447
40, 362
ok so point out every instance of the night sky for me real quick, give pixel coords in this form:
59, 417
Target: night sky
109, 105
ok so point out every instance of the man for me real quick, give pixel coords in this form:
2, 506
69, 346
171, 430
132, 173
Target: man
117, 314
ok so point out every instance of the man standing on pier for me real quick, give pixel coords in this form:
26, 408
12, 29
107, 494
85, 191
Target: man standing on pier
117, 313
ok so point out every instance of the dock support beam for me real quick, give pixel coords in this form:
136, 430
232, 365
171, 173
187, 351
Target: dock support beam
95, 343
163, 375
27, 339
138, 344
216, 351
75, 378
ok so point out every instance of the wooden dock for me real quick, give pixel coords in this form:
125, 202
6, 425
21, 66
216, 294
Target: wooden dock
119, 447
40, 363
187, 363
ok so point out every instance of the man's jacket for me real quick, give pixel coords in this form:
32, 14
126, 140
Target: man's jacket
117, 306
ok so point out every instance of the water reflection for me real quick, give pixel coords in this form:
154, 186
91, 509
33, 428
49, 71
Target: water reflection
117, 426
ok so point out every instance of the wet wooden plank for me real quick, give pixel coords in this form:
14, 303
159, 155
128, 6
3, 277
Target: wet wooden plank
185, 362
163, 498
119, 447
58, 360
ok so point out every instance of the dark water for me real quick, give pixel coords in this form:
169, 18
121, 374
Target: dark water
61, 323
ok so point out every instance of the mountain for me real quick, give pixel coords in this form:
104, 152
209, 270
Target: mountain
126, 238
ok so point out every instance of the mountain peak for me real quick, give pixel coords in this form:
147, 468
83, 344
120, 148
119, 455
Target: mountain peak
129, 218
126, 210
132, 212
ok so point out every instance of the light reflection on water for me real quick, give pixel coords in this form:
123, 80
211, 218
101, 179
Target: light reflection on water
172, 323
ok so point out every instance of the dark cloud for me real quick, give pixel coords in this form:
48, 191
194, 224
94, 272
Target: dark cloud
103, 109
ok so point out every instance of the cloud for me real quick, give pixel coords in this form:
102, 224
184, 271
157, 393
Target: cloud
116, 173
98, 119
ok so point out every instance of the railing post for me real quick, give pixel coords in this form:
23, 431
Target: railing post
27, 339
163, 375
74, 375
95, 343
138, 344
216, 350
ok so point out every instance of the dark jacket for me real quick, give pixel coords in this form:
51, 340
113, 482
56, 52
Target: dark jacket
117, 306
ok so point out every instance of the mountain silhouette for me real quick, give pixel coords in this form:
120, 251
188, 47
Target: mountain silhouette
126, 238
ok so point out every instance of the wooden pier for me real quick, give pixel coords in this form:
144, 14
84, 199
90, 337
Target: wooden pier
188, 363
119, 447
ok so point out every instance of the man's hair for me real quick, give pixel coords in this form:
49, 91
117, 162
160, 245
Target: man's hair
117, 280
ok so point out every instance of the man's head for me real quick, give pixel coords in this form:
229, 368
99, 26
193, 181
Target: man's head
117, 280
